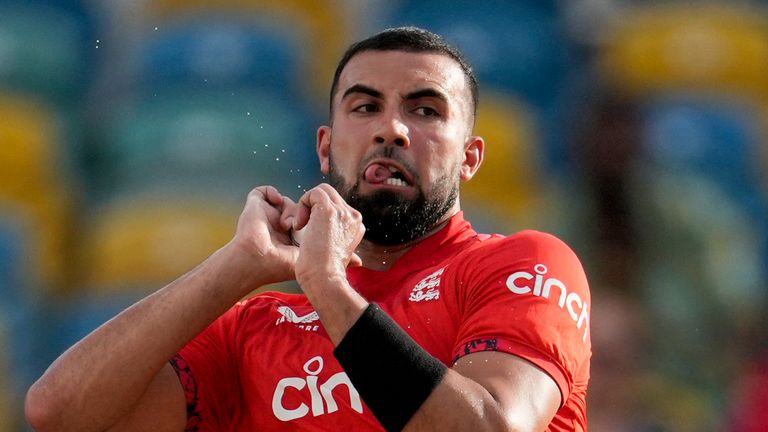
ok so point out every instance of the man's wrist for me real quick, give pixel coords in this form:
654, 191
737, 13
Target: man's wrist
242, 271
393, 374
337, 303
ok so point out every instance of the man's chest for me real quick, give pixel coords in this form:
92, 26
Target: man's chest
291, 379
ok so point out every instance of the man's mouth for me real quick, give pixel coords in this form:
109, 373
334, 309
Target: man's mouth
385, 173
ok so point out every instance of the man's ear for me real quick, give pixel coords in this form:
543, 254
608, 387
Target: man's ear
473, 157
324, 148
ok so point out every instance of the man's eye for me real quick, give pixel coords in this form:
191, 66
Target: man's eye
366, 108
427, 111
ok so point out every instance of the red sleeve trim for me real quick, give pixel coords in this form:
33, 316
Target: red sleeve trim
542, 361
189, 384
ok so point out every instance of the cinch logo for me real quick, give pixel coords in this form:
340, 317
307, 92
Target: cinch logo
321, 396
542, 287
428, 288
302, 322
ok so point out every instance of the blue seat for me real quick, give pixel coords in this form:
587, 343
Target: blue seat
715, 138
513, 46
324, 26
19, 301
226, 53
12, 247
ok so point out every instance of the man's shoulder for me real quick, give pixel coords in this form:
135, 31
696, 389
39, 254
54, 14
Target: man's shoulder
523, 242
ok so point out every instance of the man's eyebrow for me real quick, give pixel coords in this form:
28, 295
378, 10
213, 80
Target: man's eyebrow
426, 93
359, 88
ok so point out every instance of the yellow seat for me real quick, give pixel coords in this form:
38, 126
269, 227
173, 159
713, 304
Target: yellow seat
146, 242
507, 183
31, 151
47, 225
685, 47
35, 185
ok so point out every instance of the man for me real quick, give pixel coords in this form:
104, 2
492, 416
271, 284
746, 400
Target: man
411, 320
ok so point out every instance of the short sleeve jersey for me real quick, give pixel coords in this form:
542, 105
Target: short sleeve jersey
268, 364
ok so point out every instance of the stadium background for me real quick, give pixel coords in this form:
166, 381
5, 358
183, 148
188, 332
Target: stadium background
130, 132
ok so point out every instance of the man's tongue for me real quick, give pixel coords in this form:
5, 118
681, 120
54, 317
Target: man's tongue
377, 173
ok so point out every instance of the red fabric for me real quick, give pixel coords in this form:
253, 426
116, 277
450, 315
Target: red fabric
750, 403
268, 364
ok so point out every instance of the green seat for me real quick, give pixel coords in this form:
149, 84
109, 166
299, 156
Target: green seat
43, 51
224, 141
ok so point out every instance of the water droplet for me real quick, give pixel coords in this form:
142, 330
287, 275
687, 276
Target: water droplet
277, 159
155, 28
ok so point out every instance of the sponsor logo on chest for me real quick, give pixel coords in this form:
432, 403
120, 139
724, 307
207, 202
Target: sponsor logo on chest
322, 393
428, 288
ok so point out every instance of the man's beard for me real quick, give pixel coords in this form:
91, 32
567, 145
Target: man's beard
389, 218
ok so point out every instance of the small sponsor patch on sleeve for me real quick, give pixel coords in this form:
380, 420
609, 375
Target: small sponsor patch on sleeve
479, 345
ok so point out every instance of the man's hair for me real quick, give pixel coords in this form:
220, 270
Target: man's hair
409, 39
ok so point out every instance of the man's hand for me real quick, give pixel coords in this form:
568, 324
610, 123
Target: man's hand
263, 238
330, 232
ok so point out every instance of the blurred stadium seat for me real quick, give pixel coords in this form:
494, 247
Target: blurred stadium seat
13, 280
8, 399
138, 243
702, 225
33, 155
719, 139
515, 47
229, 54
507, 186
212, 140
712, 46
46, 48
37, 183
20, 359
324, 25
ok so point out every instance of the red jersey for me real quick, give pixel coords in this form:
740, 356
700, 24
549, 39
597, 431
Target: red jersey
268, 365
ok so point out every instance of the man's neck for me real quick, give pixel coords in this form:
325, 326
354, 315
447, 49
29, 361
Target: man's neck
381, 258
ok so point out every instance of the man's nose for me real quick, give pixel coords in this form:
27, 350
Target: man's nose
392, 130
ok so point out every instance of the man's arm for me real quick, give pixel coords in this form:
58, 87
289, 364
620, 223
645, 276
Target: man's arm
484, 391
118, 376
490, 391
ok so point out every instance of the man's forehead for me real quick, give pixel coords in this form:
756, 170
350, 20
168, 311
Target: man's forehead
404, 70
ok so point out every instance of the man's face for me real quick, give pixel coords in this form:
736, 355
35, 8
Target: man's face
400, 141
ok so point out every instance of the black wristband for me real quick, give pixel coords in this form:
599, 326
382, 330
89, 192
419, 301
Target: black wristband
392, 373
